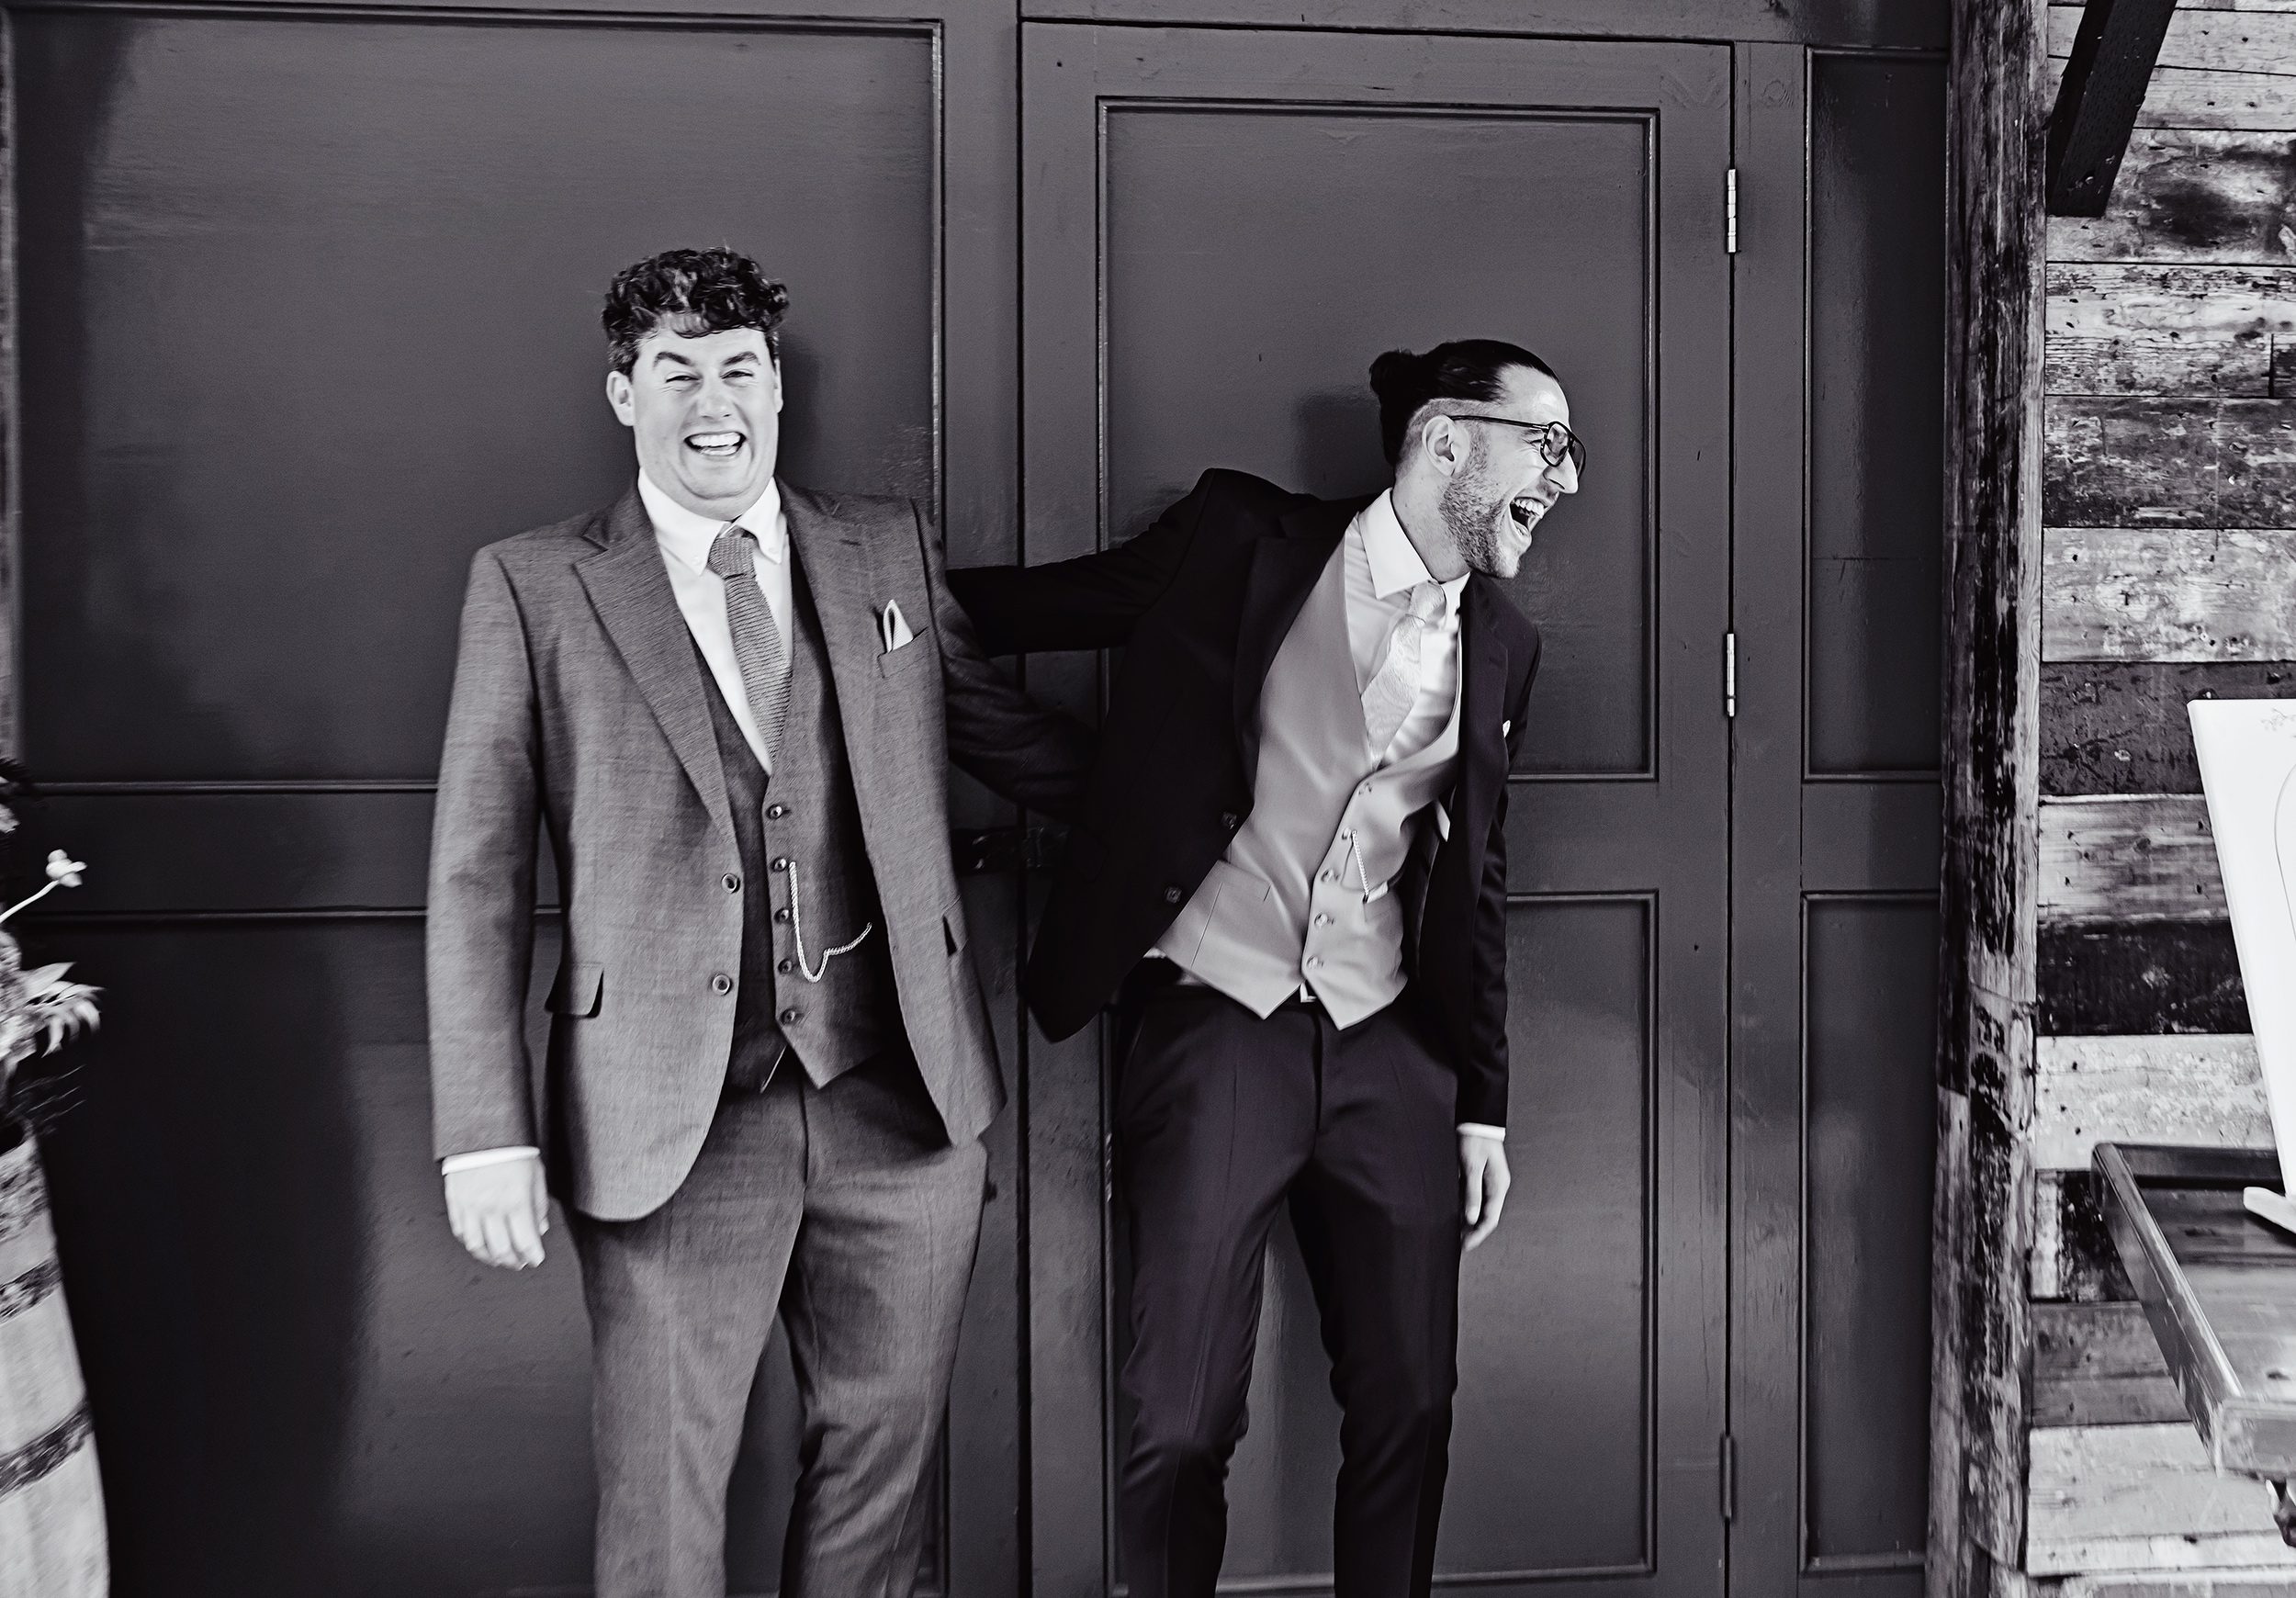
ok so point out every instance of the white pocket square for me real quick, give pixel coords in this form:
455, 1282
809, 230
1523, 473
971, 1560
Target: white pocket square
894, 628
1505, 728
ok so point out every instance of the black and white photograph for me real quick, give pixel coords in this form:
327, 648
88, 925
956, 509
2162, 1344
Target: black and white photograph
1148, 798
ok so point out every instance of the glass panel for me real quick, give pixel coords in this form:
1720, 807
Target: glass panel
1257, 260
1872, 987
310, 313
1877, 440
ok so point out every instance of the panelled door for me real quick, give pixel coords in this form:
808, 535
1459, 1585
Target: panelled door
1221, 230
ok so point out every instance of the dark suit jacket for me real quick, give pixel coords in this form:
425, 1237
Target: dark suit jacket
1201, 601
579, 703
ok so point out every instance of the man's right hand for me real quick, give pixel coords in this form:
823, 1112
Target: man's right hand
501, 1211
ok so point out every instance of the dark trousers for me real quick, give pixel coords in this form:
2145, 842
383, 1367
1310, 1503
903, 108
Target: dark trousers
844, 1210
1219, 1117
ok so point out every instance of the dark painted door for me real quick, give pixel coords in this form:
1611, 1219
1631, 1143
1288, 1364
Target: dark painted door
1221, 231
308, 313
1837, 578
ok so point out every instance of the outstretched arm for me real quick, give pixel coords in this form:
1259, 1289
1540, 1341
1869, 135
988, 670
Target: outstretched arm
1089, 603
1029, 754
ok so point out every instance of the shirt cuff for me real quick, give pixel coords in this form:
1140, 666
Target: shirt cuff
1480, 1131
476, 1157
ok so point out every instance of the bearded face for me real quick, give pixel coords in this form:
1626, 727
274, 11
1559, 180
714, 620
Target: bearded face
1490, 513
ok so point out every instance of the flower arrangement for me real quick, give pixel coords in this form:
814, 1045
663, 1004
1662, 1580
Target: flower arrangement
39, 1008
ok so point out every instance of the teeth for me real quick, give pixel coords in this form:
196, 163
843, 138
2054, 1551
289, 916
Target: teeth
715, 441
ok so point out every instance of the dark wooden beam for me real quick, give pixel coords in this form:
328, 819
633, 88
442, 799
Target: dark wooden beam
2098, 102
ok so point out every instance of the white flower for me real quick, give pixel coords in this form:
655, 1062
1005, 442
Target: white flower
63, 869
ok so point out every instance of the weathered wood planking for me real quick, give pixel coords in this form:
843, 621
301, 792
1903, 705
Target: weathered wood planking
2192, 195
2120, 329
2114, 858
2098, 1365
2155, 977
1981, 1332
2073, 1258
2131, 1498
2168, 594
2172, 1089
2121, 727
2202, 40
2256, 1582
2129, 462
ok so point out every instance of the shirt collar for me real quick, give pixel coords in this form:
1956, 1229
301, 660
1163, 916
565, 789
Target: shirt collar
688, 536
1396, 567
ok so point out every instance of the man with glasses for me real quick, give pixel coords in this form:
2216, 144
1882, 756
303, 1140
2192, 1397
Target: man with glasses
1296, 819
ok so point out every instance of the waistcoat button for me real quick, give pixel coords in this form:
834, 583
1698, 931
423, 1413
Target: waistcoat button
785, 967
780, 862
788, 1017
733, 883
775, 812
721, 982
1171, 895
1231, 820
781, 915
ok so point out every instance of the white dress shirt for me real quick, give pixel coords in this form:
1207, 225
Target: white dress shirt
684, 539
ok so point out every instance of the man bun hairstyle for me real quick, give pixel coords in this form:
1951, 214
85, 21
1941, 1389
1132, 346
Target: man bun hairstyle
1473, 370
691, 292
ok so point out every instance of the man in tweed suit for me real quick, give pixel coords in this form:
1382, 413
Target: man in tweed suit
731, 703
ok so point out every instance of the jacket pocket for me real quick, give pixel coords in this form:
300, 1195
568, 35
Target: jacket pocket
576, 990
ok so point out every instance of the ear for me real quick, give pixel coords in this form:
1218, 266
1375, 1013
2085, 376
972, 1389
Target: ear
618, 396
779, 393
1445, 443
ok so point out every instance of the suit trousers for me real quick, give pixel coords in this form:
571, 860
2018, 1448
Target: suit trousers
1221, 1118
845, 1210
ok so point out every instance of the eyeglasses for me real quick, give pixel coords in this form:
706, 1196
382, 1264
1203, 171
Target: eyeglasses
1555, 440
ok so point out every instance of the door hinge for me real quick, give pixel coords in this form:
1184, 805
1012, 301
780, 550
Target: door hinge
1729, 1477
1730, 675
1729, 212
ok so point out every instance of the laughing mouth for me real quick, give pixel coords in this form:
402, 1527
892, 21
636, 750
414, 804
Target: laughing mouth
1526, 511
715, 445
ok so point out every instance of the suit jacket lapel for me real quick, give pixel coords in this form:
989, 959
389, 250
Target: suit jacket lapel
1482, 707
1283, 573
633, 598
838, 570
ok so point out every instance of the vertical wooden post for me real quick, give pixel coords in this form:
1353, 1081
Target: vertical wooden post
1984, 1219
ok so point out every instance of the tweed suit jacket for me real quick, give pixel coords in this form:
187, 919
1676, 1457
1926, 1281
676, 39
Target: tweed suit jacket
579, 708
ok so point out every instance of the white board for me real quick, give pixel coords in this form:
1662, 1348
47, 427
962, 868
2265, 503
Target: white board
2247, 750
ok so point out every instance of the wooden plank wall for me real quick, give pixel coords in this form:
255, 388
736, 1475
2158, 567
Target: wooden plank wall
2169, 574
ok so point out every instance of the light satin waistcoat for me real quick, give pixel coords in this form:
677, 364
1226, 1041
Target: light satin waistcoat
1303, 894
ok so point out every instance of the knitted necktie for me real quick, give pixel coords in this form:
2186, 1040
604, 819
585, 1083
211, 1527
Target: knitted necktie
757, 641
1394, 688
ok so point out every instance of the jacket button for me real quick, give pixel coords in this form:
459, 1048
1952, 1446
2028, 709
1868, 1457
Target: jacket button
785, 966
780, 862
775, 812
1323, 920
1231, 820
1171, 895
781, 915
788, 1017
732, 881
721, 984
1315, 962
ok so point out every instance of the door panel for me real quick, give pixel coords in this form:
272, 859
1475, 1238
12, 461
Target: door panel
1838, 566
1222, 229
310, 312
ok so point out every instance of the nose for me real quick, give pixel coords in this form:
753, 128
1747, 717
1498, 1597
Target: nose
716, 398
1564, 475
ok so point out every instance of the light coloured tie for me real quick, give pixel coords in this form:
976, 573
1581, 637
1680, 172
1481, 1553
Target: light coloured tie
757, 641
1394, 687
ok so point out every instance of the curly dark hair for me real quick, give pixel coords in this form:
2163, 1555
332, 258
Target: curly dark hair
1472, 369
692, 292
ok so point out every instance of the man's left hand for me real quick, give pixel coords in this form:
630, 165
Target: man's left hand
1483, 1161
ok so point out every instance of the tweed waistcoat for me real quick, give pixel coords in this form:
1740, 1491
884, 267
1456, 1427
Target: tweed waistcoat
804, 866
1303, 893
